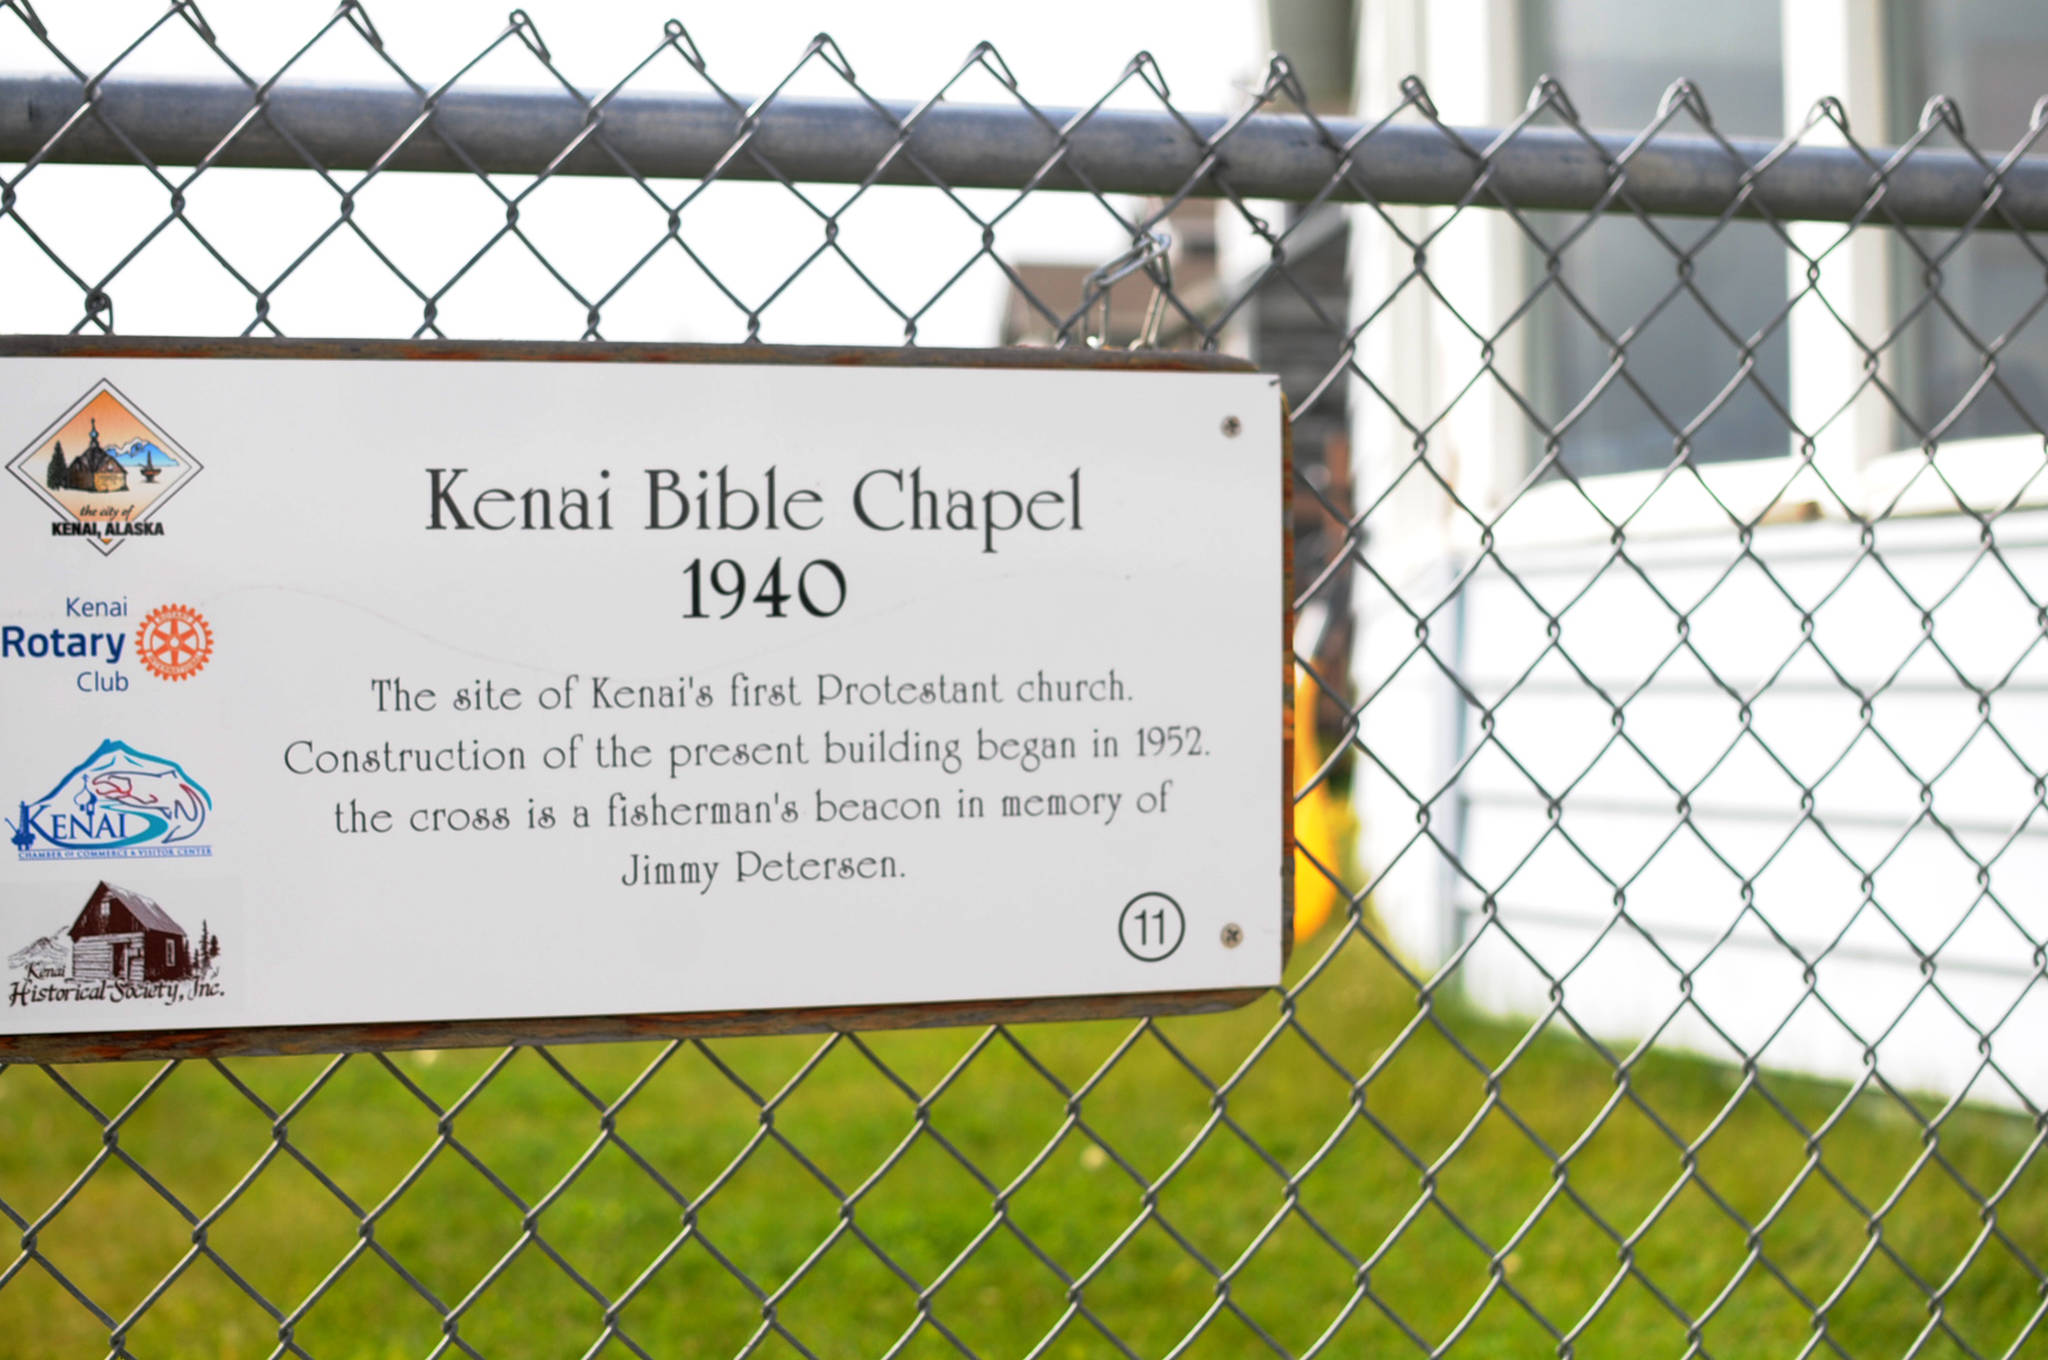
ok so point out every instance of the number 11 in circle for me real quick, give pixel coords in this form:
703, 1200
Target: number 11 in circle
1151, 926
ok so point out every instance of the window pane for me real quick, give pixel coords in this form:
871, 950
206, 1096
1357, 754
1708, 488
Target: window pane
1615, 58
1991, 57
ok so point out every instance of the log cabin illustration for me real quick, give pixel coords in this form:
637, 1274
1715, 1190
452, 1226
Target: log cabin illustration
95, 469
122, 936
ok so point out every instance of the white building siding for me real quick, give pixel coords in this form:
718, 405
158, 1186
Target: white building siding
1804, 829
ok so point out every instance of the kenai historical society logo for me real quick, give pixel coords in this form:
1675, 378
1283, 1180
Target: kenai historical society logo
105, 470
119, 803
121, 946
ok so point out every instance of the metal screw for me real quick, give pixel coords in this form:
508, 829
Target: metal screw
1233, 935
1231, 425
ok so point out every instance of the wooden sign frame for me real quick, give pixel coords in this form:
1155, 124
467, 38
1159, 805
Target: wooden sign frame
345, 1038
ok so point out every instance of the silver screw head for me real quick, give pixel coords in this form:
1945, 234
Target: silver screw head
1231, 427
1233, 935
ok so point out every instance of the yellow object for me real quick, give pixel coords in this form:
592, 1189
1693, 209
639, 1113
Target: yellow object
1323, 822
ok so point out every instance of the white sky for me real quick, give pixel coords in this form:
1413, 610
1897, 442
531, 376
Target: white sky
1062, 52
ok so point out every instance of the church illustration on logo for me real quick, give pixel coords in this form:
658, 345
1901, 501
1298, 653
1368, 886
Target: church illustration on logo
95, 471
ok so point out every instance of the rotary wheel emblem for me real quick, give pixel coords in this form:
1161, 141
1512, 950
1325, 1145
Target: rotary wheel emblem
174, 642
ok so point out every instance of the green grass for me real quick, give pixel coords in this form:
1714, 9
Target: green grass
284, 1233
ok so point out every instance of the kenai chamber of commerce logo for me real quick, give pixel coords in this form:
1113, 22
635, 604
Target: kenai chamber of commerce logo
119, 803
105, 469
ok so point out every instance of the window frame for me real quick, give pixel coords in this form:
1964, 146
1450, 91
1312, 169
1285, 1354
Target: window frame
1830, 48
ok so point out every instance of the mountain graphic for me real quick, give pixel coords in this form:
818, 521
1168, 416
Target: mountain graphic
136, 452
53, 951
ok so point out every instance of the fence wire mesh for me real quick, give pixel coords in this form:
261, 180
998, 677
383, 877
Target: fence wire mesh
1683, 993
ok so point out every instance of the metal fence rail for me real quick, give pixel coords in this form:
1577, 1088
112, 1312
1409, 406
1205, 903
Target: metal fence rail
1685, 992
1272, 154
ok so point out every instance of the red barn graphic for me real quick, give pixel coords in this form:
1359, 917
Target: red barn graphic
122, 936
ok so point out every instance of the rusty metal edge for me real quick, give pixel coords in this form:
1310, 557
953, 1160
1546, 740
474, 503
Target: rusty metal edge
608, 351
274, 1040
252, 1041
1287, 683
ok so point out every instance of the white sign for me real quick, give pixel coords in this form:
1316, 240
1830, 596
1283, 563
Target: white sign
347, 690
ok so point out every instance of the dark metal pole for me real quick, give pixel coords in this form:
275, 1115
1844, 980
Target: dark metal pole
1277, 156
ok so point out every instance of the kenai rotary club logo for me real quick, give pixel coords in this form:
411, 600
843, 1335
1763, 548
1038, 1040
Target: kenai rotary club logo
105, 469
174, 642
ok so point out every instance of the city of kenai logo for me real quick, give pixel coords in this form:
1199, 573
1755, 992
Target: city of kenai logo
120, 803
105, 470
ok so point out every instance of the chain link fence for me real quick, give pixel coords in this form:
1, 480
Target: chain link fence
1671, 580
